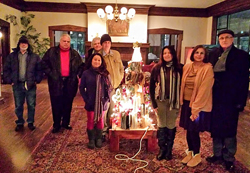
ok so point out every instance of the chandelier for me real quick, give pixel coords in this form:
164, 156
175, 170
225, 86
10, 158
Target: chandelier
124, 14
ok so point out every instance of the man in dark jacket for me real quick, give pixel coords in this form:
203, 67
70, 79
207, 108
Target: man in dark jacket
22, 70
63, 65
230, 90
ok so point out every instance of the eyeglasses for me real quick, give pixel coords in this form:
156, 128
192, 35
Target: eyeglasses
226, 38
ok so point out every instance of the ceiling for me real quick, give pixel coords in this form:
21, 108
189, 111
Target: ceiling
157, 3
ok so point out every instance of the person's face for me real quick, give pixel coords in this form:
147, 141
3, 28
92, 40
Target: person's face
106, 45
96, 61
23, 46
96, 45
226, 40
167, 55
199, 55
65, 42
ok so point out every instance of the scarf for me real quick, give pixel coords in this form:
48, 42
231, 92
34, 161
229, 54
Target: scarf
220, 65
98, 102
174, 88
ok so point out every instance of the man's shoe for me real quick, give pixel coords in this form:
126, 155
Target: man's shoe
31, 126
19, 128
68, 127
229, 166
214, 159
55, 129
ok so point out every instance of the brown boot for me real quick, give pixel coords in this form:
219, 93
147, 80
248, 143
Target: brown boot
195, 160
188, 157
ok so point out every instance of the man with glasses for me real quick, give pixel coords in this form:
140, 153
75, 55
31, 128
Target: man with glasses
230, 91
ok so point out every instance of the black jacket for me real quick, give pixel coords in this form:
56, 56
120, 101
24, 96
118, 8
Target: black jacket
88, 89
51, 64
34, 72
230, 91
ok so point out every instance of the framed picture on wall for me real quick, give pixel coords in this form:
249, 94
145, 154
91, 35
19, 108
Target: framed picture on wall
117, 28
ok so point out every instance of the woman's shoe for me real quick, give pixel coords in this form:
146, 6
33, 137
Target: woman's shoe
188, 157
195, 160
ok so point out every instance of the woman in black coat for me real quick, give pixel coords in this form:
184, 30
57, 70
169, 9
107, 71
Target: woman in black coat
94, 88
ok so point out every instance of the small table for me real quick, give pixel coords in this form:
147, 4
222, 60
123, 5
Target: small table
116, 134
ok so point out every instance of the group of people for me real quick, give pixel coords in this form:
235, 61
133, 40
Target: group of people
209, 92
101, 75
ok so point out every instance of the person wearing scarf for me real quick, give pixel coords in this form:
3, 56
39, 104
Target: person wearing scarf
95, 88
230, 91
196, 100
164, 92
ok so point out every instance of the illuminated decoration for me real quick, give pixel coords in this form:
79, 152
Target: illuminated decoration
124, 14
132, 100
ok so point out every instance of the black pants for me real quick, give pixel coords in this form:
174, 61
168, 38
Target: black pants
193, 140
61, 109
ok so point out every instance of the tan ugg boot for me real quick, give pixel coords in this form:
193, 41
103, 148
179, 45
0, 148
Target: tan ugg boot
188, 157
195, 160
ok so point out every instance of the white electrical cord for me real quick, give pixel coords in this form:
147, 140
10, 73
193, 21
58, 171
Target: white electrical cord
126, 158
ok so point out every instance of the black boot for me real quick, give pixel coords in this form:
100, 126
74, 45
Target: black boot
91, 135
170, 142
161, 132
98, 141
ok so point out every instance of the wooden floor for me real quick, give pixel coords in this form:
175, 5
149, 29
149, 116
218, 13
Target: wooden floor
16, 147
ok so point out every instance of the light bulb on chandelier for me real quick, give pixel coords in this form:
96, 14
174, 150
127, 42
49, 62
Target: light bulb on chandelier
124, 14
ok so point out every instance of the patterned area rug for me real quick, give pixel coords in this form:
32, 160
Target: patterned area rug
67, 152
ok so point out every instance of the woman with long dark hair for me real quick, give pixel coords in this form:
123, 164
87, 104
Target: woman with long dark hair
94, 88
196, 101
164, 91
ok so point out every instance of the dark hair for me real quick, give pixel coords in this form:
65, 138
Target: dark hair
24, 39
172, 51
205, 60
103, 67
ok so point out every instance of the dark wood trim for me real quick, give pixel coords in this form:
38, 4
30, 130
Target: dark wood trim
186, 12
64, 28
5, 40
214, 33
228, 7
56, 7
164, 31
17, 4
140, 9
225, 7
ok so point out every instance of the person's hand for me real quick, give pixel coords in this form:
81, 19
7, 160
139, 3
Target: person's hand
193, 117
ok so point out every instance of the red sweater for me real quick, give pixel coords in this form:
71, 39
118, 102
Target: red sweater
64, 55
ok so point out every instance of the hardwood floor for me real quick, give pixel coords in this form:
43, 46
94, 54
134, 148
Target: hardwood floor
15, 148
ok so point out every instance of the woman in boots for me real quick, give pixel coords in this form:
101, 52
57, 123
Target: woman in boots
196, 101
94, 88
164, 91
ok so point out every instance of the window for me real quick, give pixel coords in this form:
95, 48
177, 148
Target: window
239, 23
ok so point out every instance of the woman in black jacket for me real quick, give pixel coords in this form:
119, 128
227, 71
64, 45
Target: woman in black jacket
164, 92
94, 88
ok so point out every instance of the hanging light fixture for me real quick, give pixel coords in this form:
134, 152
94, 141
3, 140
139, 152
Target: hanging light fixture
116, 15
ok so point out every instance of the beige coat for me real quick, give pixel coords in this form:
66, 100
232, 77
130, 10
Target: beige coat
114, 66
201, 99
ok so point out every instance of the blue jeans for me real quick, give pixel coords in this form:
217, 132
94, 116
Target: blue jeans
20, 94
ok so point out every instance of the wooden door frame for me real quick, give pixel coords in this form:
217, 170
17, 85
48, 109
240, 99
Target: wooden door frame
52, 30
179, 34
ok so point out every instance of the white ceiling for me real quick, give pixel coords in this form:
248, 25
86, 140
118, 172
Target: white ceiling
158, 3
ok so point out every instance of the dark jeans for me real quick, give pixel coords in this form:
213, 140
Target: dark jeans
194, 142
61, 109
20, 94
225, 147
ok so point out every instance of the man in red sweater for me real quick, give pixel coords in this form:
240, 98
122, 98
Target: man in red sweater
63, 66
